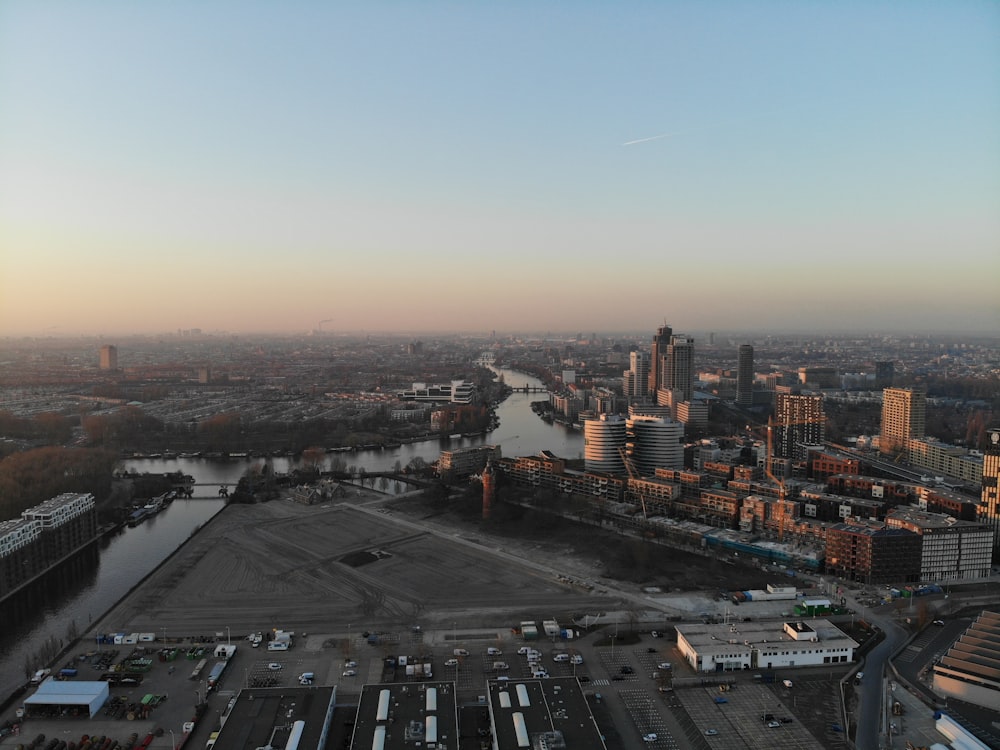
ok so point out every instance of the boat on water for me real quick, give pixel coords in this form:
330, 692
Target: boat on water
154, 506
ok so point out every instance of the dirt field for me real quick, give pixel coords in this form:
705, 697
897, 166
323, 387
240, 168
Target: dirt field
322, 569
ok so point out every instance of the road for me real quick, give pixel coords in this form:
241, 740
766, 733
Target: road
874, 687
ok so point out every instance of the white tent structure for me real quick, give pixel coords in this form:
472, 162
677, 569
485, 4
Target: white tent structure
67, 698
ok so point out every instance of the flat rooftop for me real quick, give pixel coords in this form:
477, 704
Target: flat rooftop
744, 637
263, 717
553, 707
407, 715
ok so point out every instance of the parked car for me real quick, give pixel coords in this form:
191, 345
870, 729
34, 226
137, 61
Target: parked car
451, 663
651, 737
711, 732
274, 666
349, 673
773, 724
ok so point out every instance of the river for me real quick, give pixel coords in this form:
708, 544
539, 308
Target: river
79, 598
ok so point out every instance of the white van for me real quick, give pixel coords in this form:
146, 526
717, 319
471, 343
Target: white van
277, 646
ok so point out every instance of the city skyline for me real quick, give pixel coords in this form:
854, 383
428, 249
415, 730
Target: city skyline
250, 168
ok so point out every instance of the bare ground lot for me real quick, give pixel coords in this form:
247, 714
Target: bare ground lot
296, 567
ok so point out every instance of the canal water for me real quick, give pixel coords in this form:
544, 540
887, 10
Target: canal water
78, 597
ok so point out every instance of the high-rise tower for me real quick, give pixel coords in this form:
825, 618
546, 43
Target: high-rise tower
799, 420
744, 376
109, 357
904, 416
636, 378
659, 349
678, 367
989, 507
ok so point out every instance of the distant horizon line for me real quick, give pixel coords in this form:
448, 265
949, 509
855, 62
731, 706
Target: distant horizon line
498, 333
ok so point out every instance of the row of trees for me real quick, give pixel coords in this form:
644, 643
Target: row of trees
31, 477
48, 427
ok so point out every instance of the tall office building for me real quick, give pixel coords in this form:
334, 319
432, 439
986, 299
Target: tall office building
660, 342
904, 416
884, 373
799, 420
603, 442
109, 357
635, 383
744, 376
678, 367
989, 506
655, 443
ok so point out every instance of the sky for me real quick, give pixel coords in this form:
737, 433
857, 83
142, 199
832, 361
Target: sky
250, 166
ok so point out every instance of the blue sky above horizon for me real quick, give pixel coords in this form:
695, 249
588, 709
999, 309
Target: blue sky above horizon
251, 166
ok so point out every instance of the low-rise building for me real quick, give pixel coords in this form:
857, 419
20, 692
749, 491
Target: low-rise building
463, 462
762, 645
541, 713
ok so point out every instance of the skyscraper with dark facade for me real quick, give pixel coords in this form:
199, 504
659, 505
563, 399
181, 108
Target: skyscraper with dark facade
884, 373
678, 367
659, 348
744, 376
799, 420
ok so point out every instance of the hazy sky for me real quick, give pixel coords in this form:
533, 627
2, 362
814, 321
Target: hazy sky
261, 166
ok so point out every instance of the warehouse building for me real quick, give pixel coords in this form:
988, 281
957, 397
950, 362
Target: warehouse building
66, 699
406, 715
546, 713
763, 645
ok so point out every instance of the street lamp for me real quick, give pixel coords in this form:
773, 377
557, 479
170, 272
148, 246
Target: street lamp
229, 639
173, 741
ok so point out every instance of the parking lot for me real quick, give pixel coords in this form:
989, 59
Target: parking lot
732, 720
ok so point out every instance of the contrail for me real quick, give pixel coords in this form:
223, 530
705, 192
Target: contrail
651, 138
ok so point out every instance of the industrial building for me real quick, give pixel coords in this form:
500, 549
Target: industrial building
69, 699
970, 669
764, 645
547, 713
285, 717
406, 715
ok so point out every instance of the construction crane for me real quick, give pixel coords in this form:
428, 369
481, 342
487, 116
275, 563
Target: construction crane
633, 473
780, 481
